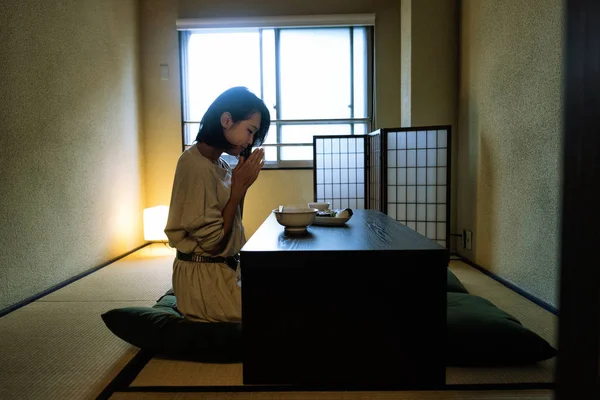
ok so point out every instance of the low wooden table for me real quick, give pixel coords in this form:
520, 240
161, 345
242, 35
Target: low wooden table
363, 305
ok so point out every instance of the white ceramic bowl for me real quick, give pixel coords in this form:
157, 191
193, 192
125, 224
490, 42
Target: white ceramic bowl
321, 206
295, 219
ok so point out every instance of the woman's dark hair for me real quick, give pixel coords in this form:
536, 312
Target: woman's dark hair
241, 103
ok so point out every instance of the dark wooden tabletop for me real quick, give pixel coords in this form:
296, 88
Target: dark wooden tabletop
368, 230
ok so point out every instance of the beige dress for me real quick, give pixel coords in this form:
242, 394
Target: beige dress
201, 189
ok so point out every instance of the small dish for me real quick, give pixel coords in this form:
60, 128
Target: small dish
331, 221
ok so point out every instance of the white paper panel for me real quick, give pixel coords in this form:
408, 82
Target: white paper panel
401, 140
401, 159
417, 178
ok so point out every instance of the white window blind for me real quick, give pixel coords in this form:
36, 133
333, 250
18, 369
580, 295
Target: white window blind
294, 21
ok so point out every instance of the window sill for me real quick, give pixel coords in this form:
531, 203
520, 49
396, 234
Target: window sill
282, 167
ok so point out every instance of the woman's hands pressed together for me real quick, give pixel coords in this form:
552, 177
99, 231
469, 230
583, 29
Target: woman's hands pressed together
246, 171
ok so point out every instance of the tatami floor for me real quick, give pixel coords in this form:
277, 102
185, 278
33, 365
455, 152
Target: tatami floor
58, 347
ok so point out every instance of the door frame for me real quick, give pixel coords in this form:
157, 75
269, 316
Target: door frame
578, 363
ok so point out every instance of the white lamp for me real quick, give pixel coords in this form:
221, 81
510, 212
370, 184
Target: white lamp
155, 220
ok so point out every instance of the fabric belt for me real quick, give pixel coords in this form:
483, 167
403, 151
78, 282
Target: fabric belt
232, 261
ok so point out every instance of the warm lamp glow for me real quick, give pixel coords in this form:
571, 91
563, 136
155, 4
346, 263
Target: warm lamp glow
155, 220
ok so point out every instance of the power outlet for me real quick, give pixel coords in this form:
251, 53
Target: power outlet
467, 239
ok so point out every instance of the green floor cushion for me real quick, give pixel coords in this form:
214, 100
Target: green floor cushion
161, 329
481, 334
478, 334
454, 284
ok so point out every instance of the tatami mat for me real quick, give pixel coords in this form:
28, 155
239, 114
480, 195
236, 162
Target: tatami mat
58, 346
160, 372
433, 395
143, 275
59, 351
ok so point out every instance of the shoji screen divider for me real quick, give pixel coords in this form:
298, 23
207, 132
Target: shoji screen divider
341, 172
417, 176
403, 172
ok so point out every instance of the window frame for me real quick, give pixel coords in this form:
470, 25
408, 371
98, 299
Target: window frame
277, 123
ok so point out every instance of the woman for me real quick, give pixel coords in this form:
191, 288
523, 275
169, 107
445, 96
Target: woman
205, 215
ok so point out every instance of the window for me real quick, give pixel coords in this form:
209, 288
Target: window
314, 81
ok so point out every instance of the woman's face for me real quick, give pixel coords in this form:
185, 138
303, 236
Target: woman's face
240, 134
